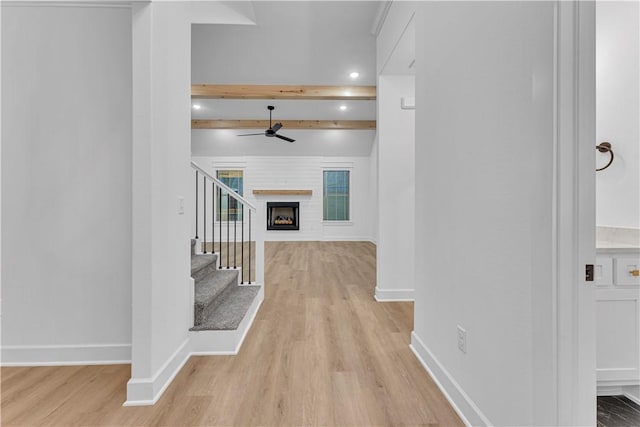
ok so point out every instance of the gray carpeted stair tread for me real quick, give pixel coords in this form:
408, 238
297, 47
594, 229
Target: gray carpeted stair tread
198, 262
213, 285
230, 309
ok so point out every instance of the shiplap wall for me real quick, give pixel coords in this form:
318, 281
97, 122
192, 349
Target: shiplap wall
301, 173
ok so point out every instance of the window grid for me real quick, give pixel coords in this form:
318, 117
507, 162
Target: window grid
234, 180
336, 195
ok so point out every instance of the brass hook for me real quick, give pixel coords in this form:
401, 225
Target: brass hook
604, 147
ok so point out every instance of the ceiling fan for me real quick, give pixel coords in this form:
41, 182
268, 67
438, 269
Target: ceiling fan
272, 131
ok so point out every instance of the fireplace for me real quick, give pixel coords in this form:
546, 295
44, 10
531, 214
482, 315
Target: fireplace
282, 215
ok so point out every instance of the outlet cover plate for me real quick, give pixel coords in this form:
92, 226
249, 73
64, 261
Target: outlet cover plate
462, 339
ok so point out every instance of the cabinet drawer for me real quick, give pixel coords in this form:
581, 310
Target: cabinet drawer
624, 266
603, 271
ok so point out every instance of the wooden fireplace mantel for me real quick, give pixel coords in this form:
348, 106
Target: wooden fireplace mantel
283, 192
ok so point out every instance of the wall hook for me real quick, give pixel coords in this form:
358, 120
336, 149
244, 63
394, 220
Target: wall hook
604, 147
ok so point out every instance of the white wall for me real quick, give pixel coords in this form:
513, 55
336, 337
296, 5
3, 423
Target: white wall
304, 53
618, 112
321, 142
484, 158
162, 175
373, 188
299, 173
66, 184
396, 188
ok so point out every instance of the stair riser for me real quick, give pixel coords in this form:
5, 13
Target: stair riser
203, 310
211, 308
205, 271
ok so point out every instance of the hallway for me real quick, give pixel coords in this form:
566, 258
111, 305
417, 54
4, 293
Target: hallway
320, 352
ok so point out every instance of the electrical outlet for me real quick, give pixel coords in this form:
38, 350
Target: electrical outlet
462, 339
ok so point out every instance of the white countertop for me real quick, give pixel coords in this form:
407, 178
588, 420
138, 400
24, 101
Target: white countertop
605, 246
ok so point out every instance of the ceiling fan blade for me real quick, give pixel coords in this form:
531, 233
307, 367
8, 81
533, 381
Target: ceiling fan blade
285, 138
277, 127
251, 134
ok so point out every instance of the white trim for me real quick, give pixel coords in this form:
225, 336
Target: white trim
229, 165
391, 295
617, 375
632, 398
617, 390
336, 165
337, 222
459, 400
147, 391
66, 355
618, 383
142, 391
395, 46
609, 390
381, 16
345, 239
573, 235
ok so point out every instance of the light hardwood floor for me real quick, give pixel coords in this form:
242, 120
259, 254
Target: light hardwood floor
321, 352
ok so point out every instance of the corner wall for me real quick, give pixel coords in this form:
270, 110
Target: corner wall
161, 176
396, 188
484, 206
395, 155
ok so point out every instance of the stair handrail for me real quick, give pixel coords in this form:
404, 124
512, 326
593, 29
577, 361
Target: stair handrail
224, 187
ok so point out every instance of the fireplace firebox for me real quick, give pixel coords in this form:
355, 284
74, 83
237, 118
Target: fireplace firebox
283, 215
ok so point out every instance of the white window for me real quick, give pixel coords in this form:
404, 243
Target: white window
229, 209
336, 195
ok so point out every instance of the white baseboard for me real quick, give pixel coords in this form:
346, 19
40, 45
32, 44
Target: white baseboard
632, 397
346, 239
218, 343
629, 391
390, 295
459, 400
62, 355
147, 391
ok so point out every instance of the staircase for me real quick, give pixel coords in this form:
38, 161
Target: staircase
227, 289
220, 302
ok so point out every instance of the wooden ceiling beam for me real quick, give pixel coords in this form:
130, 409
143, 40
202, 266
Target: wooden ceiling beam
287, 124
206, 91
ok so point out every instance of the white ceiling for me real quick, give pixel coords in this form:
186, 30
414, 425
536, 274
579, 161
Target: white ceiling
292, 43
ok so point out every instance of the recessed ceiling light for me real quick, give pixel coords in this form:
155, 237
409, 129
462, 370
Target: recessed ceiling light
343, 107
196, 106
354, 75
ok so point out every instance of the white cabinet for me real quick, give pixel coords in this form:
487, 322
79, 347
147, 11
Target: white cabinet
617, 317
626, 271
603, 271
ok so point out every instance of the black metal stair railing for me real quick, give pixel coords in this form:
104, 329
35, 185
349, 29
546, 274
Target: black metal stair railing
224, 207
